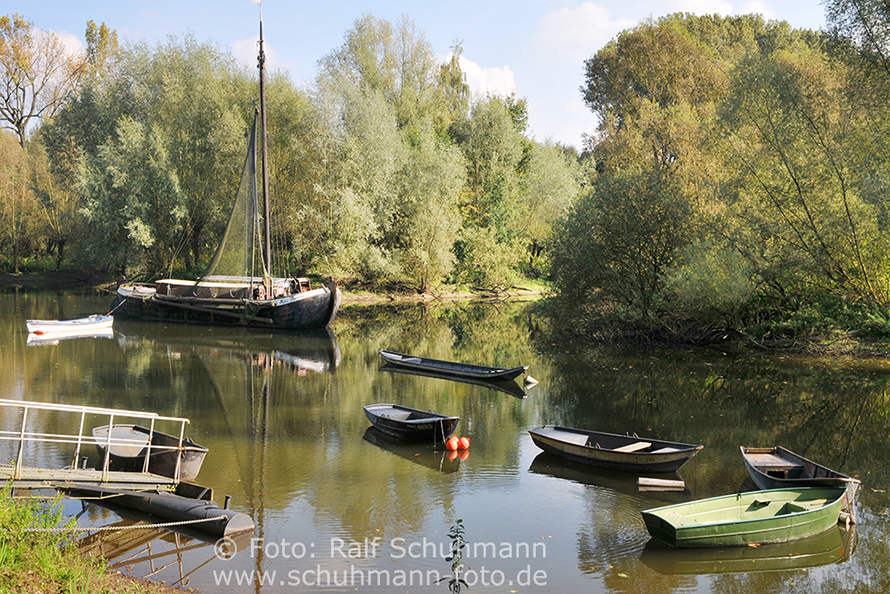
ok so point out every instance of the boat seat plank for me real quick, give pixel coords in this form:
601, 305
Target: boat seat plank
666, 450
632, 447
576, 438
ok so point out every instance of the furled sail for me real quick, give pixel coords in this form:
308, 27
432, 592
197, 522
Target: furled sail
237, 251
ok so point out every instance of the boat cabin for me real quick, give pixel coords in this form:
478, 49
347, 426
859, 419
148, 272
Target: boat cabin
231, 288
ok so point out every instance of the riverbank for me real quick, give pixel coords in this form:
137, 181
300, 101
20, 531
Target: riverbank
68, 280
40, 554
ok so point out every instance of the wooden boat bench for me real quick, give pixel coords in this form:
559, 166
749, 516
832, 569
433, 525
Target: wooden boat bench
666, 450
633, 447
778, 467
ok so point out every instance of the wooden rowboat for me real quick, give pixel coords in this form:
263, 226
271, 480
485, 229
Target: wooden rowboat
755, 517
465, 370
167, 455
411, 424
610, 450
86, 326
508, 386
778, 468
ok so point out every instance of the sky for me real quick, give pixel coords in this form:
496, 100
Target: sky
535, 48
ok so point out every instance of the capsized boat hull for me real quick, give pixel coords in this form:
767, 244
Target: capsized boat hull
755, 517
596, 448
411, 424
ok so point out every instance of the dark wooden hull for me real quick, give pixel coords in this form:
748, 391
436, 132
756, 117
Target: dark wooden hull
411, 424
599, 449
507, 386
451, 368
313, 309
162, 461
779, 468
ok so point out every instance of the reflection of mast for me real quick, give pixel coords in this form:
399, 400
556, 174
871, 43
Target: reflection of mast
260, 416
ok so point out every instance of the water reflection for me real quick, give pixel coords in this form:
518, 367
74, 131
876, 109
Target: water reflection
621, 482
833, 546
425, 455
282, 416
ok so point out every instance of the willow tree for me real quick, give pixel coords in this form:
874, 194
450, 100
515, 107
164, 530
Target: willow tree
392, 220
801, 140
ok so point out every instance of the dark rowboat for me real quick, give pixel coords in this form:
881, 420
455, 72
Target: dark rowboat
755, 517
464, 370
411, 424
609, 450
130, 445
778, 468
508, 386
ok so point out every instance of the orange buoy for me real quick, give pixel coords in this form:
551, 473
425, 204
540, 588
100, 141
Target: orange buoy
464, 443
452, 443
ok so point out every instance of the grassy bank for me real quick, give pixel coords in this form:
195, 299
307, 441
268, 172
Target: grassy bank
38, 553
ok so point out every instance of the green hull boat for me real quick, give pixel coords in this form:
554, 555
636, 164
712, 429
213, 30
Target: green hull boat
756, 517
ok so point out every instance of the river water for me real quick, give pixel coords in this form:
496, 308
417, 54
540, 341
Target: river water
337, 509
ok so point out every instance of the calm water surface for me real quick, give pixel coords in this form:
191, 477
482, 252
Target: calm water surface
337, 509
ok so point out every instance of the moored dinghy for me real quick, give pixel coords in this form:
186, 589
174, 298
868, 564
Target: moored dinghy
755, 517
610, 450
93, 324
452, 368
128, 446
411, 424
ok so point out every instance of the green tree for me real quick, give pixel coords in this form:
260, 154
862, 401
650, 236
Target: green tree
133, 200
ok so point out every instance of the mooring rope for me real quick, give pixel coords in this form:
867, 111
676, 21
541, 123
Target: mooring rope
116, 528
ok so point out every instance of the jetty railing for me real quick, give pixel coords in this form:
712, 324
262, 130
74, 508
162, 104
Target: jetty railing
23, 436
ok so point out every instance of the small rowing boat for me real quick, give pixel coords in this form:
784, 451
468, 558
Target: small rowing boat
755, 517
610, 450
463, 370
89, 325
167, 455
411, 424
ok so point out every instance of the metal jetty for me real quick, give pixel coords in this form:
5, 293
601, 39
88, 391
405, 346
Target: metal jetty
25, 436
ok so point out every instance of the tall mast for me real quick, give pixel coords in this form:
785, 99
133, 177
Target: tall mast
267, 242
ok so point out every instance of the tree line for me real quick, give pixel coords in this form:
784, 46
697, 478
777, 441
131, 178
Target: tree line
741, 177
384, 172
737, 179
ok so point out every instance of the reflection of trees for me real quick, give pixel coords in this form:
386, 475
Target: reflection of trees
831, 413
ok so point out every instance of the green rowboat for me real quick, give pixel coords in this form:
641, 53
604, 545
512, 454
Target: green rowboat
756, 517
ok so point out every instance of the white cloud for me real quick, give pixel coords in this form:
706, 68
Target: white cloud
701, 7
757, 7
484, 81
246, 51
72, 44
578, 31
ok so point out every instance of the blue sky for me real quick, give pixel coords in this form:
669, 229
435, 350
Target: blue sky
533, 47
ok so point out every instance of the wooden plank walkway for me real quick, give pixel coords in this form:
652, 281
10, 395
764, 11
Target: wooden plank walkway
38, 478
